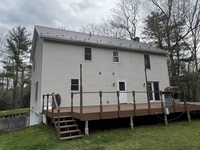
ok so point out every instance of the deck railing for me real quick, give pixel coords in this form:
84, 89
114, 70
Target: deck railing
54, 107
117, 93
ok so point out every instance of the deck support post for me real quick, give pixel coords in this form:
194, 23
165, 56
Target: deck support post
131, 123
165, 118
166, 112
188, 116
86, 128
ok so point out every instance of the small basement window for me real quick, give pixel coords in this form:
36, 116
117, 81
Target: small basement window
88, 53
116, 56
74, 85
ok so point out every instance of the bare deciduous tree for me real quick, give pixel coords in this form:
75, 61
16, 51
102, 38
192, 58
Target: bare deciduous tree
126, 17
122, 24
174, 26
3, 36
104, 29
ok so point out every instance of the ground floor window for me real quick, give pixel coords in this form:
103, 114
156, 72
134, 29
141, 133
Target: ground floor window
74, 85
153, 89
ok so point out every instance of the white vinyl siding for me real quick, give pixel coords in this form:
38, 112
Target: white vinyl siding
36, 91
67, 67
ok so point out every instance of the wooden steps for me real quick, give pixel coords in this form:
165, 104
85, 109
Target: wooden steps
71, 137
66, 127
66, 121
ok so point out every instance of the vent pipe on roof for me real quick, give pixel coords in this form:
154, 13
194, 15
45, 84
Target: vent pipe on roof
137, 39
90, 34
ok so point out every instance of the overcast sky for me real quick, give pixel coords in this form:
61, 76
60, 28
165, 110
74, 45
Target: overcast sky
53, 13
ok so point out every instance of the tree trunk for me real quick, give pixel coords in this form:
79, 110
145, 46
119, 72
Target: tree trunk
22, 87
15, 82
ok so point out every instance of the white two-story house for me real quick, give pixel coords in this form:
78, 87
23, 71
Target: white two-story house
109, 64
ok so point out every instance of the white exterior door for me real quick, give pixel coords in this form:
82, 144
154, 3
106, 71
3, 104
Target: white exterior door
122, 89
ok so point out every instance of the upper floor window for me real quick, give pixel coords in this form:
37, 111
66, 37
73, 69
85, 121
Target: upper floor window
88, 53
74, 85
115, 56
147, 61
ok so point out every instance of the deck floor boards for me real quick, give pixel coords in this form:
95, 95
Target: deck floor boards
126, 110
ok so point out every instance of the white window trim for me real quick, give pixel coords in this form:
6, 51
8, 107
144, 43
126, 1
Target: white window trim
124, 83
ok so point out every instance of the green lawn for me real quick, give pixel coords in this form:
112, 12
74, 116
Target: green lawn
175, 136
14, 111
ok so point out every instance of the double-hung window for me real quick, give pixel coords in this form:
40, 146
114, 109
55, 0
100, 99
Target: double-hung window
115, 56
74, 85
88, 53
147, 61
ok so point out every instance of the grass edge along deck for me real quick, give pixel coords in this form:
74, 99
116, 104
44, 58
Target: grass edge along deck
98, 112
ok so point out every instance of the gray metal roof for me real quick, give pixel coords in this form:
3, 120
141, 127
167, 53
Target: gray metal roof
96, 40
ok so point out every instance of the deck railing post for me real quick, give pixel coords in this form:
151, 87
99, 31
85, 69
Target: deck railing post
72, 101
58, 111
101, 108
147, 90
161, 99
47, 104
174, 104
43, 103
118, 104
53, 103
134, 105
149, 105
81, 92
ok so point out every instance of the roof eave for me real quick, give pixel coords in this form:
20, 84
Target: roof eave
33, 44
101, 45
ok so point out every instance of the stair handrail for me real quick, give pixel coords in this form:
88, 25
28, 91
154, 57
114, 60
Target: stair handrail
43, 103
55, 104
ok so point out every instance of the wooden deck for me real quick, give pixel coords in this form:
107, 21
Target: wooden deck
122, 110
100, 112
